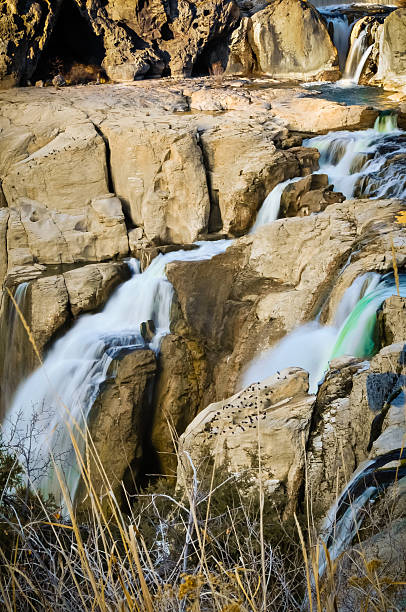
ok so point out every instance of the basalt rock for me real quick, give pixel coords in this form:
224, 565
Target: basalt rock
49, 305
259, 289
392, 320
25, 29
179, 394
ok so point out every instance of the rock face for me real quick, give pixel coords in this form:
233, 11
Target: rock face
118, 422
155, 170
179, 392
289, 39
132, 40
392, 320
259, 289
24, 31
392, 62
243, 167
271, 418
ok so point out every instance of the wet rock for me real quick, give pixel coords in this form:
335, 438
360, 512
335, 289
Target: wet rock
259, 289
243, 167
179, 395
90, 286
118, 423
309, 195
147, 329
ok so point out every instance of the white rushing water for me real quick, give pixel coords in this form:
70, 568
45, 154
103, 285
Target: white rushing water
63, 390
270, 207
357, 56
367, 163
11, 359
341, 32
312, 346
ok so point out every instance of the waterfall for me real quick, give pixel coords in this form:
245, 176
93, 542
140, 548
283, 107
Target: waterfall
358, 55
63, 390
270, 207
13, 339
352, 333
341, 31
368, 163
345, 516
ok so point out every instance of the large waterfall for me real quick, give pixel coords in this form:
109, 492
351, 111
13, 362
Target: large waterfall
59, 395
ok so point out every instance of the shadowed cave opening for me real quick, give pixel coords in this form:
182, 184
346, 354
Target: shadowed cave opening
73, 50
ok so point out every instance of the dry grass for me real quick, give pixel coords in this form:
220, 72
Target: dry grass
212, 548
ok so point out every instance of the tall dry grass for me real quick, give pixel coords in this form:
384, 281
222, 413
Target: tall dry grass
210, 547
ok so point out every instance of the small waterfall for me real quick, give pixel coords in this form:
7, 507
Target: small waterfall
358, 55
270, 207
13, 340
341, 32
352, 333
346, 515
368, 163
63, 390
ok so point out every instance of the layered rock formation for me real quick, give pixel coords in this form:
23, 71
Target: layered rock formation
135, 40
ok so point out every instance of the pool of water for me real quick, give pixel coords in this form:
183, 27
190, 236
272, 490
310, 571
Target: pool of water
353, 94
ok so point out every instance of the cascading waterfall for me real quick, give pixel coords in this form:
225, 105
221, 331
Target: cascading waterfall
346, 515
12, 337
270, 207
366, 163
352, 333
62, 391
357, 56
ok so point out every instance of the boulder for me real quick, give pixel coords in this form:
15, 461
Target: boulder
309, 195
156, 169
392, 62
118, 423
243, 166
392, 320
290, 40
270, 419
311, 114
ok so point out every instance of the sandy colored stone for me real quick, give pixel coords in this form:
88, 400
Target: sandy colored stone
273, 415
392, 61
119, 421
289, 39
243, 166
308, 114
89, 287
158, 174
392, 320
259, 289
